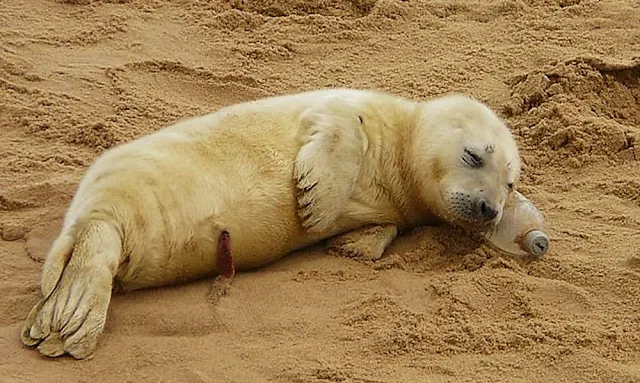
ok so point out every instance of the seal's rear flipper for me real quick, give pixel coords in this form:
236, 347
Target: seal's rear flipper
55, 263
77, 284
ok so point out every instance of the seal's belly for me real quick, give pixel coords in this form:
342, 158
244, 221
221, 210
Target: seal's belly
196, 179
193, 253
178, 224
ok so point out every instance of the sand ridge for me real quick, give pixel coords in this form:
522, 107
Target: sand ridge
80, 76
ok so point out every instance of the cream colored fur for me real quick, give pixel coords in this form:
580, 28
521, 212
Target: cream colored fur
279, 174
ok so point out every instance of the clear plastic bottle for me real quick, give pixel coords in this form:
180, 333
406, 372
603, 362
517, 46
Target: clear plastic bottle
521, 229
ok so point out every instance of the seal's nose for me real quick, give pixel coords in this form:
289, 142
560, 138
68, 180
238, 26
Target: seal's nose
485, 211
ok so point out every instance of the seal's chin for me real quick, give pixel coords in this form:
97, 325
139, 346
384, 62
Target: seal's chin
473, 225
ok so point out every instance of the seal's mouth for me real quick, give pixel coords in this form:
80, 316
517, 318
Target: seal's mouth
459, 211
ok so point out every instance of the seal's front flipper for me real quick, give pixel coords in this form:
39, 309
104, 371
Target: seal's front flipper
328, 163
367, 243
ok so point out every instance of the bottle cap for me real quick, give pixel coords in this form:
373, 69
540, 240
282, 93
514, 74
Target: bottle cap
536, 242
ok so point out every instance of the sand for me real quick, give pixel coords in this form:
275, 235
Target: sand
77, 77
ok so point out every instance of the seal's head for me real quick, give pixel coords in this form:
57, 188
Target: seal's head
471, 159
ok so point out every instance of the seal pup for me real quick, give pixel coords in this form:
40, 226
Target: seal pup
241, 187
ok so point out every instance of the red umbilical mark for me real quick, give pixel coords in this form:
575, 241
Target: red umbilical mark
225, 259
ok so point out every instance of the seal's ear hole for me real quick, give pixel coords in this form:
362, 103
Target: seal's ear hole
510, 186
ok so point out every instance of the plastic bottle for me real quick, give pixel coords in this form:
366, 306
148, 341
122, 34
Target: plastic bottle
521, 229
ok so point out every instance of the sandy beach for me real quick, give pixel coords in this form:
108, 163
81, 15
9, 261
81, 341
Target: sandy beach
80, 76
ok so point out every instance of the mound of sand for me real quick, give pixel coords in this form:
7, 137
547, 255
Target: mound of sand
78, 77
578, 112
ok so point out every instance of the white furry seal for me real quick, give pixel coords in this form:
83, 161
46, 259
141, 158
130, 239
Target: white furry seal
257, 180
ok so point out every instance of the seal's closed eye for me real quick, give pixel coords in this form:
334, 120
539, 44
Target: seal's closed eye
472, 159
